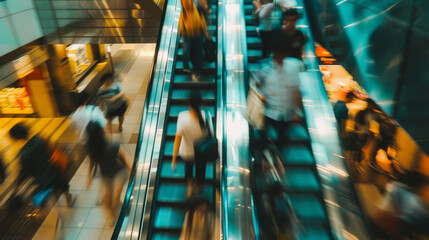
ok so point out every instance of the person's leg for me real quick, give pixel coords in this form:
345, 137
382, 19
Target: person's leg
265, 43
108, 196
188, 177
121, 121
109, 125
186, 53
196, 55
200, 171
121, 181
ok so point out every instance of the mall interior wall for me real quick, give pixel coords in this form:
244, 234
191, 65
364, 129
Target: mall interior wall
385, 45
19, 24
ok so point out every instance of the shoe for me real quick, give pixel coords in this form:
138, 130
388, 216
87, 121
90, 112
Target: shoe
71, 201
194, 78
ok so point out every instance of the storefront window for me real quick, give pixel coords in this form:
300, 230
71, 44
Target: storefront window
15, 100
79, 60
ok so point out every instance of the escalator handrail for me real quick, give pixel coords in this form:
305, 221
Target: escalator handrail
232, 126
344, 211
139, 174
173, 11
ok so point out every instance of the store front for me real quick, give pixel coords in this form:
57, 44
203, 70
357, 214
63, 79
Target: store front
75, 68
25, 86
338, 82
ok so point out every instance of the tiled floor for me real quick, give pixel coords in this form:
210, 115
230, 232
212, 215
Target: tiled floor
87, 219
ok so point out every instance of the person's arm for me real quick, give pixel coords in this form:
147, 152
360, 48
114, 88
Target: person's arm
266, 10
123, 156
120, 94
204, 5
177, 142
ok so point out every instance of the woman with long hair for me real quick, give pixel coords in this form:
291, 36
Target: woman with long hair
112, 160
191, 127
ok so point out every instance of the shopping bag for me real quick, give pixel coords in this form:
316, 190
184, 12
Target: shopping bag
59, 159
255, 108
209, 48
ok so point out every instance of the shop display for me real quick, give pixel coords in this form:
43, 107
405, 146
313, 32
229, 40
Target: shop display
78, 59
15, 101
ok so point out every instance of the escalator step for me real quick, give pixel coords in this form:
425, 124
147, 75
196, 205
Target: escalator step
169, 217
297, 133
184, 94
171, 128
297, 154
308, 208
250, 20
176, 109
254, 55
179, 173
165, 236
176, 192
301, 179
313, 232
206, 65
253, 43
187, 78
248, 9
251, 31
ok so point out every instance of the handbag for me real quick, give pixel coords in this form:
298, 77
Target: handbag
209, 48
255, 108
59, 159
207, 149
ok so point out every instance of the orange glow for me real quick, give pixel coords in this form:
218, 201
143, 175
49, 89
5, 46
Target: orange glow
322, 52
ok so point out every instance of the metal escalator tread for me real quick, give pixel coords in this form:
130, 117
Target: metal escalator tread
179, 174
301, 179
170, 192
296, 154
176, 109
170, 203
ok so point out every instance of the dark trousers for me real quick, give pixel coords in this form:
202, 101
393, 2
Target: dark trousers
200, 170
265, 43
279, 128
193, 51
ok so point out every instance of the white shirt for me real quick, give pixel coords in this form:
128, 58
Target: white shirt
191, 132
280, 85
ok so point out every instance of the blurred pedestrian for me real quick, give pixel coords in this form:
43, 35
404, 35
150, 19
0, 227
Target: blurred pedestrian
404, 210
296, 38
269, 15
192, 28
199, 220
34, 159
113, 162
191, 127
279, 78
112, 98
342, 112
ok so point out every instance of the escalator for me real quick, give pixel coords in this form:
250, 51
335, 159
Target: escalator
170, 204
303, 186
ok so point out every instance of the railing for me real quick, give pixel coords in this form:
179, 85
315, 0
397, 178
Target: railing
236, 193
132, 213
344, 211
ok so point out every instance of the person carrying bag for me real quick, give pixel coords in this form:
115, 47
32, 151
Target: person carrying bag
206, 150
